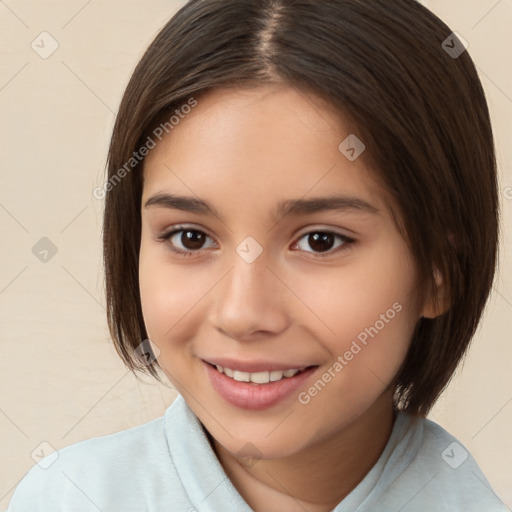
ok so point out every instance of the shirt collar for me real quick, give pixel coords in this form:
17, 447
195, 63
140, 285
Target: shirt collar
210, 489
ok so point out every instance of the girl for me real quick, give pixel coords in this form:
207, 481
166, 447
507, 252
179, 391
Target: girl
300, 232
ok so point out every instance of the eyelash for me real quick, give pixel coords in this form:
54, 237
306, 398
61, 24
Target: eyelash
347, 242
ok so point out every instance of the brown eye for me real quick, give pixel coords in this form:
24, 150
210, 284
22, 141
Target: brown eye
187, 241
321, 242
318, 242
192, 240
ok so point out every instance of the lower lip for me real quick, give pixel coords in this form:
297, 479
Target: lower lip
256, 397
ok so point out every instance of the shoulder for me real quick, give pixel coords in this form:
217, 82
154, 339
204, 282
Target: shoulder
92, 473
131, 445
443, 475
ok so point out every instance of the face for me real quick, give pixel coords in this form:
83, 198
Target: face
265, 249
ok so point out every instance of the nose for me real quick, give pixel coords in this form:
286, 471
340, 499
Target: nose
250, 301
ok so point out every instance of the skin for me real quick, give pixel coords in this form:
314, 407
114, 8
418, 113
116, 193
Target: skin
244, 151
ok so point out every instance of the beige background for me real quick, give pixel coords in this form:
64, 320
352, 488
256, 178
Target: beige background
61, 380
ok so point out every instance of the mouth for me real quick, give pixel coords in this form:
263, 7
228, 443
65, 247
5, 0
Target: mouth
256, 390
263, 377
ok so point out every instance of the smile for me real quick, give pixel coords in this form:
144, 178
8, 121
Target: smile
263, 377
257, 389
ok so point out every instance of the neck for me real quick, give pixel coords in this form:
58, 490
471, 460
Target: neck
320, 476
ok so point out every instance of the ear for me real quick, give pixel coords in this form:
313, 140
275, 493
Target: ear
438, 303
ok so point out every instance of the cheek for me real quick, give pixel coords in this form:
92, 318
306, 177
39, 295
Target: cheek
165, 296
171, 296
368, 310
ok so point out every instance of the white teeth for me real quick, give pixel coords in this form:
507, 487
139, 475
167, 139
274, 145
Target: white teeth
258, 377
276, 375
241, 376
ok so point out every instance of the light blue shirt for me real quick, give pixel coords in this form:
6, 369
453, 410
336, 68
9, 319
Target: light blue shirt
168, 465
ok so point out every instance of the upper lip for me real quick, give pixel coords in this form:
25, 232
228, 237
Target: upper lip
255, 366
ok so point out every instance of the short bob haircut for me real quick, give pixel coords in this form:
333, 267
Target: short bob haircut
419, 108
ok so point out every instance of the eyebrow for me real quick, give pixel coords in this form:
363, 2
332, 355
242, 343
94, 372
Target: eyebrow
288, 207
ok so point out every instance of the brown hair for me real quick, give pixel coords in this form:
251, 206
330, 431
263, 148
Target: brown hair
420, 111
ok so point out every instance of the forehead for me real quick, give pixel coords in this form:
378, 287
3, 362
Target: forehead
258, 145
